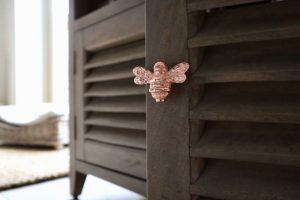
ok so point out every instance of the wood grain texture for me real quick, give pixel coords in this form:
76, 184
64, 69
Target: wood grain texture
117, 136
79, 88
254, 23
129, 121
275, 60
167, 123
113, 72
132, 183
126, 104
112, 9
196, 126
250, 103
195, 5
77, 179
256, 142
122, 159
125, 87
255, 102
124, 53
109, 74
248, 181
110, 109
119, 29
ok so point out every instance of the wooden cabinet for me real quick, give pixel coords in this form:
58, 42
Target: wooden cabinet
232, 131
108, 117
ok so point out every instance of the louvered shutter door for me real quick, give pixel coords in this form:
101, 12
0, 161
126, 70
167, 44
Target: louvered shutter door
110, 112
245, 104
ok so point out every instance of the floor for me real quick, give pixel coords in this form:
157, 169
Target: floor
59, 189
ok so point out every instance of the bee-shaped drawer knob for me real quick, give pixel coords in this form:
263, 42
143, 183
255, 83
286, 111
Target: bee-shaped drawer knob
161, 79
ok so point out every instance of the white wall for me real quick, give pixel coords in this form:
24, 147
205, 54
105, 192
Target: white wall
3, 99
54, 85
29, 52
60, 47
6, 51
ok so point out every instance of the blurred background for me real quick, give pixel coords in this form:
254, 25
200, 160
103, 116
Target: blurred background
33, 51
33, 91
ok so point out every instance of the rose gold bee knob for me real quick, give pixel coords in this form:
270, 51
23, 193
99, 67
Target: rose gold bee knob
161, 79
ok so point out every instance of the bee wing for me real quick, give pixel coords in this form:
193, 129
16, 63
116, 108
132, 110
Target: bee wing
177, 73
142, 76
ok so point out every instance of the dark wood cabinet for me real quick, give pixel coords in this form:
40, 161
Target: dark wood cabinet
108, 110
231, 131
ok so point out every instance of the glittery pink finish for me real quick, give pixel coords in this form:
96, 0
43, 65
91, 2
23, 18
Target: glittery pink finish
161, 79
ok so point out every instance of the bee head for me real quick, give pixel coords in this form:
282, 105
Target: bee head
160, 68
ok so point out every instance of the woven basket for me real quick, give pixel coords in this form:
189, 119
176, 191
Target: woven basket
51, 132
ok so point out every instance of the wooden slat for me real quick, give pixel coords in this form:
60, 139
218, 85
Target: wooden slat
201, 198
135, 184
129, 121
253, 23
257, 61
248, 181
196, 127
77, 179
123, 28
108, 74
124, 137
249, 109
195, 5
113, 72
80, 58
266, 143
123, 159
259, 102
118, 54
167, 124
112, 36
113, 8
115, 88
132, 104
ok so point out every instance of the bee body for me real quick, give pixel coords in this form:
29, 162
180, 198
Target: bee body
161, 79
159, 87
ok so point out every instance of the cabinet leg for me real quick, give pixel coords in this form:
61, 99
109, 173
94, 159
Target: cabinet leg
77, 182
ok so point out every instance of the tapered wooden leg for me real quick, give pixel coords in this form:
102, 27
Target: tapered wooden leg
77, 182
